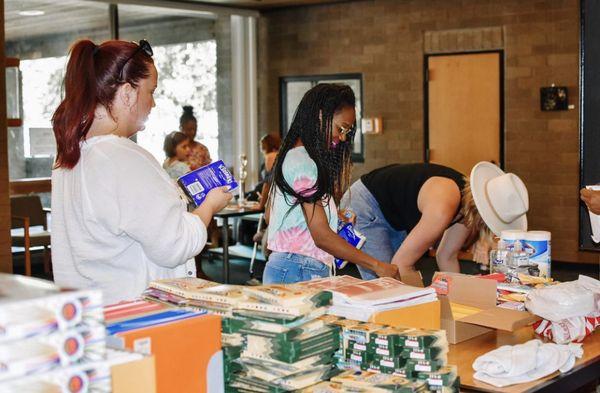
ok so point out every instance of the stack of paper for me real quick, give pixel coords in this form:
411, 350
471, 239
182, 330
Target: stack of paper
360, 300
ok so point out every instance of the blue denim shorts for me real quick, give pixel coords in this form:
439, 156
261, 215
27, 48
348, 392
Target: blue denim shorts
289, 268
382, 240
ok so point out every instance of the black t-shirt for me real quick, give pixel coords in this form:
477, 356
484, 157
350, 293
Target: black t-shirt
396, 189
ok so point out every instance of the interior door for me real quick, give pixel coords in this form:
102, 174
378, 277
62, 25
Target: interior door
463, 109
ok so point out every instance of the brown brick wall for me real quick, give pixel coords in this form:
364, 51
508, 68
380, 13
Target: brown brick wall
384, 40
5, 243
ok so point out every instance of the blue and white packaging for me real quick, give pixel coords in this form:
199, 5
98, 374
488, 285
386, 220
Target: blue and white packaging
511, 236
537, 245
356, 239
199, 182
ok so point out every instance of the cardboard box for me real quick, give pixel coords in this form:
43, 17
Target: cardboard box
469, 307
187, 353
423, 316
138, 376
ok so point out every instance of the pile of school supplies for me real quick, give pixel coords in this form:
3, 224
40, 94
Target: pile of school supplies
50, 338
279, 338
412, 354
275, 337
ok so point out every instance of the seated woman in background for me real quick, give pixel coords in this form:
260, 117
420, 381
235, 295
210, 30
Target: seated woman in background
118, 220
177, 150
199, 154
310, 176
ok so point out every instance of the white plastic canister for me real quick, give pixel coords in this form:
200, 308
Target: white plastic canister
537, 245
511, 236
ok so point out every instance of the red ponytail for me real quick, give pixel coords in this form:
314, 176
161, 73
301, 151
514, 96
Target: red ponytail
92, 79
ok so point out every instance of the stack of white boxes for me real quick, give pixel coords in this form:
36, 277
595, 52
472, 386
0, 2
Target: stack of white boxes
51, 339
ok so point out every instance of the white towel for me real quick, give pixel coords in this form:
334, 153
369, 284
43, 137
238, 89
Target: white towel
509, 365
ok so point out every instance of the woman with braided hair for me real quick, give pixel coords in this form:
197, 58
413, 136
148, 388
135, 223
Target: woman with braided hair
310, 176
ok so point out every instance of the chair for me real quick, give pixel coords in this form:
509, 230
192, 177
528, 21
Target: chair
26, 213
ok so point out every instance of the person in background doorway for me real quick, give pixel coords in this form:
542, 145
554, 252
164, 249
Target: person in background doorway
118, 220
199, 154
177, 150
310, 175
405, 209
269, 145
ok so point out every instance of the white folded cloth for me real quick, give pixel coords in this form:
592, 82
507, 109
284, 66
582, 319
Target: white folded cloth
513, 364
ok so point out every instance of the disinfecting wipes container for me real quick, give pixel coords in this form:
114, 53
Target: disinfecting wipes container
537, 245
510, 237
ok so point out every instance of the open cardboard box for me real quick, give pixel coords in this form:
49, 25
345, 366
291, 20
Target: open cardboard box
469, 307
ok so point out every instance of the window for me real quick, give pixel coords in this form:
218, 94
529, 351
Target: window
185, 55
41, 41
293, 88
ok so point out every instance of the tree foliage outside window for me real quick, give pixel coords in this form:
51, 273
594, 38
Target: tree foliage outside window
187, 75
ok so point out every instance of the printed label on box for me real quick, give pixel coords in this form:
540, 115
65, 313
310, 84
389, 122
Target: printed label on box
143, 346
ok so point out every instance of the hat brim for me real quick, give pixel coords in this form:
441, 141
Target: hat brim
480, 175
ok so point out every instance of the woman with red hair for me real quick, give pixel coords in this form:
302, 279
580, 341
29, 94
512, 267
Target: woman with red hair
118, 221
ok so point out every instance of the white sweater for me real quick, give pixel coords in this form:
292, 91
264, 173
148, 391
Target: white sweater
119, 221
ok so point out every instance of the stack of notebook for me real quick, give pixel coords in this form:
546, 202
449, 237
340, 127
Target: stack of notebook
275, 337
357, 299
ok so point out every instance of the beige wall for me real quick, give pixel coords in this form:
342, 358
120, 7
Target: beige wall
384, 40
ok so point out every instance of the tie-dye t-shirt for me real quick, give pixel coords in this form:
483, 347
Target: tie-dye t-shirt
288, 232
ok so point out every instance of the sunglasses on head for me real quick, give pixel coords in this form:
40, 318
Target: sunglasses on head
142, 46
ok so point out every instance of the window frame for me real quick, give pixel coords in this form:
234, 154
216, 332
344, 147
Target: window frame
314, 80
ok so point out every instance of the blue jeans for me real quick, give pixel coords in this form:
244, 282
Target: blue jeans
382, 240
288, 268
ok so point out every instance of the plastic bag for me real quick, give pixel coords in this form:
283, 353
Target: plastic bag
568, 330
567, 300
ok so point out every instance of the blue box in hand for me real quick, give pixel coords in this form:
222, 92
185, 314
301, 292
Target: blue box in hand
199, 182
356, 239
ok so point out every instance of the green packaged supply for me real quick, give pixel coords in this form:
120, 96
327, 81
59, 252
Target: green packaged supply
269, 330
357, 347
325, 335
293, 356
294, 382
455, 388
425, 338
362, 333
299, 310
345, 325
358, 356
284, 320
232, 340
232, 352
445, 376
403, 372
432, 353
415, 366
389, 337
389, 364
288, 295
393, 351
290, 368
365, 381
231, 325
